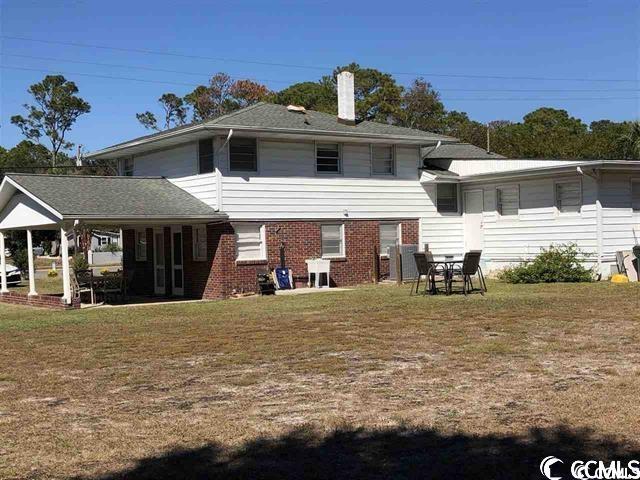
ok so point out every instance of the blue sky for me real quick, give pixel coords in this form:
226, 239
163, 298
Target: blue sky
550, 39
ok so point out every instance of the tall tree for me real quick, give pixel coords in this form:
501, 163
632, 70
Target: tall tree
174, 112
56, 109
422, 107
378, 96
630, 141
311, 95
212, 100
248, 92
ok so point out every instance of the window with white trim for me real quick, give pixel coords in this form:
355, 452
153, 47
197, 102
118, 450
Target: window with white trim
568, 196
507, 200
328, 158
390, 236
199, 239
250, 241
243, 154
635, 195
383, 160
447, 197
141, 245
205, 156
128, 166
332, 240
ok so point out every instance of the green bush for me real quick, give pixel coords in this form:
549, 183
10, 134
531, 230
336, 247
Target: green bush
110, 247
20, 259
558, 263
79, 262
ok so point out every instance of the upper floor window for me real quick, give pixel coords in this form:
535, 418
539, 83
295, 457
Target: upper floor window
507, 200
382, 160
635, 195
568, 196
243, 155
328, 158
447, 197
389, 237
205, 156
127, 167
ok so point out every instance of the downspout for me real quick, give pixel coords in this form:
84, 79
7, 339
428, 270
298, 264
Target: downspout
219, 179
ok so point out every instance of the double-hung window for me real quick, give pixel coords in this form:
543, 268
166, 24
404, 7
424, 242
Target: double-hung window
250, 241
141, 245
568, 196
382, 160
205, 156
507, 200
332, 240
199, 233
243, 155
447, 197
328, 158
390, 236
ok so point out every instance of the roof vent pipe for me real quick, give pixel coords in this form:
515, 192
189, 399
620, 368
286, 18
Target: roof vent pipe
346, 98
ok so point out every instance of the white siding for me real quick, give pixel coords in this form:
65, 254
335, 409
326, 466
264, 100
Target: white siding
179, 165
287, 186
509, 239
620, 224
476, 167
443, 232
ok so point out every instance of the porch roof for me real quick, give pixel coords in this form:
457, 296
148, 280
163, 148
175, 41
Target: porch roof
52, 199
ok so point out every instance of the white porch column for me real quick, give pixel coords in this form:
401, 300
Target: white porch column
3, 266
66, 278
32, 266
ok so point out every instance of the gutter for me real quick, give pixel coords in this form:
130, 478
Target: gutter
244, 128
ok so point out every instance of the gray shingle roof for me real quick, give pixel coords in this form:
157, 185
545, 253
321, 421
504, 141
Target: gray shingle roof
114, 197
268, 115
272, 117
459, 151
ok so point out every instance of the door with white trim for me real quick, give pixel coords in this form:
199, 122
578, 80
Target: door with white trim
177, 264
473, 234
159, 276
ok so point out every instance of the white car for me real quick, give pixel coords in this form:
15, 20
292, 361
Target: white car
14, 275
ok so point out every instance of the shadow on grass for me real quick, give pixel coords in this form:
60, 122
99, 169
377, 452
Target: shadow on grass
396, 453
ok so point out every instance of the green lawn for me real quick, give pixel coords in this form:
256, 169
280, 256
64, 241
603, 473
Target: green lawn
373, 379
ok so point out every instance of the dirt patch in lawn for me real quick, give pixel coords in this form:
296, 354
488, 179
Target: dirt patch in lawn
386, 382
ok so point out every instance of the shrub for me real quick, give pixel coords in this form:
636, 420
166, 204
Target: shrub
21, 260
558, 263
52, 273
79, 262
110, 247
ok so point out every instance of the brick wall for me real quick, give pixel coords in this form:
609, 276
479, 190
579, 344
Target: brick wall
221, 275
42, 301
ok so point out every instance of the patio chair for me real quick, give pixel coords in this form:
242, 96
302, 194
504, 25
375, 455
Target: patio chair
427, 267
112, 286
84, 280
470, 268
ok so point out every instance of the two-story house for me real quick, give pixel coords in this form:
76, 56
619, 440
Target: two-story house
205, 206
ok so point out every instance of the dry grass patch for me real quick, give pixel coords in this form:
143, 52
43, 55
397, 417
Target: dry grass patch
90, 392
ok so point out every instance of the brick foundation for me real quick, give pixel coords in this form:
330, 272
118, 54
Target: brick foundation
221, 275
41, 301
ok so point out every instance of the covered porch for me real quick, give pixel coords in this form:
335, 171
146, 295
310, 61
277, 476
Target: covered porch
160, 223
